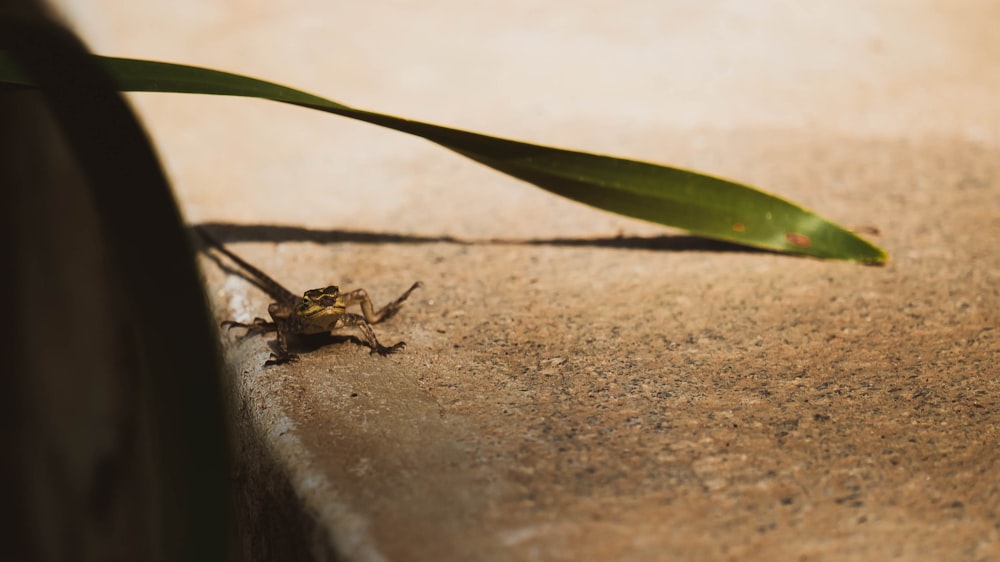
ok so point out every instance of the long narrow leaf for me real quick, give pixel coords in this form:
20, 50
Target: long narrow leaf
702, 204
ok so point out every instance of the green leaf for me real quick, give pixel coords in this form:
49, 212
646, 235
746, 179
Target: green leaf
704, 205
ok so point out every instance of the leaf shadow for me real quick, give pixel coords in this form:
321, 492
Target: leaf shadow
231, 232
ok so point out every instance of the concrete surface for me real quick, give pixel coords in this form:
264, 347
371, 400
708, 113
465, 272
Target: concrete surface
592, 388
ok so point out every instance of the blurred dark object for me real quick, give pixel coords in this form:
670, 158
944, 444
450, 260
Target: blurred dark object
113, 436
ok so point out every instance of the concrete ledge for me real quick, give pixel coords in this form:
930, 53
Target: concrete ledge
593, 398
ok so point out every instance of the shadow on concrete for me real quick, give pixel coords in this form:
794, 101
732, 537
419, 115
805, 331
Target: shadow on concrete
229, 232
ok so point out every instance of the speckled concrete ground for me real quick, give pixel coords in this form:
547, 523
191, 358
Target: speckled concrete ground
593, 388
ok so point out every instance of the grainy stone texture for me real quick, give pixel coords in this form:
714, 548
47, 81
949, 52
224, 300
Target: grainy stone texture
592, 388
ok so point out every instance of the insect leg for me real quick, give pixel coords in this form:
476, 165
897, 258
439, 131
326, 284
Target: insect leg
358, 321
360, 296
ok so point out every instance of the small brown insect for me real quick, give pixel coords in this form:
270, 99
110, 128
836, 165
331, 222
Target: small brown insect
316, 311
